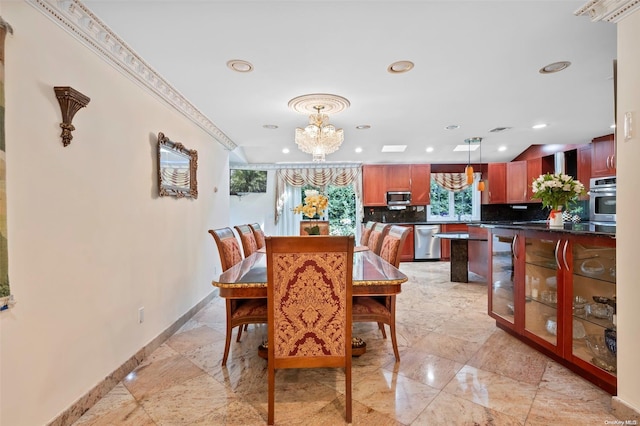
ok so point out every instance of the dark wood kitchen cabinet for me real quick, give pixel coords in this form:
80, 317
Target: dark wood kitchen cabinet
420, 184
603, 156
584, 168
374, 187
495, 184
407, 253
517, 182
398, 177
543, 288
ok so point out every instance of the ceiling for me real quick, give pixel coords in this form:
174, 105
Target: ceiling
476, 65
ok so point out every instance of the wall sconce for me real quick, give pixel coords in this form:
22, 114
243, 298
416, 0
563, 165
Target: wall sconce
70, 101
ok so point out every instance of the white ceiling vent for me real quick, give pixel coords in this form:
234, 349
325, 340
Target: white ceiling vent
499, 129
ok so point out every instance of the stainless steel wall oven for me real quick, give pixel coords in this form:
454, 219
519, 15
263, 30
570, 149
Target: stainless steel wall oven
602, 199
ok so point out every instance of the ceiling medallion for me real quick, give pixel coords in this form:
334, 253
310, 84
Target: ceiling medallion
319, 138
331, 104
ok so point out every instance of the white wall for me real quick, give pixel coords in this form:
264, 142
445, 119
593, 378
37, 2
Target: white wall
252, 208
89, 239
628, 235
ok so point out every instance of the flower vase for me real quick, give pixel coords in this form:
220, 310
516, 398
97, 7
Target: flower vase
555, 218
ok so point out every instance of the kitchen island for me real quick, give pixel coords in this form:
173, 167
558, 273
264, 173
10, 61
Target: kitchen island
555, 289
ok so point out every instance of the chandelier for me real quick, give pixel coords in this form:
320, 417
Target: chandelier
319, 137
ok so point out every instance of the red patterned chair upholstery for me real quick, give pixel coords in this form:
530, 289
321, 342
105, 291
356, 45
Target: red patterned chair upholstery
366, 233
382, 309
258, 235
309, 304
249, 244
376, 236
240, 312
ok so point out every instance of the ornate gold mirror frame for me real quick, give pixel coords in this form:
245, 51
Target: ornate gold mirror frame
177, 167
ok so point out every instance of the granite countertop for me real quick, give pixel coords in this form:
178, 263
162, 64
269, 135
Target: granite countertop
581, 228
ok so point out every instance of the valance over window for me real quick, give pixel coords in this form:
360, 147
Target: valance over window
319, 177
455, 182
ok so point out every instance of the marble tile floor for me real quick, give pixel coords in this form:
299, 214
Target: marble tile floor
456, 368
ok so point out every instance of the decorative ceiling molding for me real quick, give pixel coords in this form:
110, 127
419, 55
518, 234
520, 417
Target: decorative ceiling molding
608, 10
80, 22
277, 166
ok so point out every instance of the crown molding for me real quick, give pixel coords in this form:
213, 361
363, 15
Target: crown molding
81, 23
608, 10
278, 166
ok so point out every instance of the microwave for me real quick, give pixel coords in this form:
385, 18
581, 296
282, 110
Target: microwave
602, 199
398, 198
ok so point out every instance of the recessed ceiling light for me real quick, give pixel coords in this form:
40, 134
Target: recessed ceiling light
270, 126
539, 126
467, 147
358, 150
285, 150
394, 148
363, 127
554, 67
452, 127
239, 65
430, 149
502, 148
400, 66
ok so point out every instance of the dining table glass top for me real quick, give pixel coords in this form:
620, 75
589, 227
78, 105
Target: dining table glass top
369, 269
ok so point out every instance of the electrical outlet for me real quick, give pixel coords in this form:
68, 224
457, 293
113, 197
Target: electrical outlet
141, 315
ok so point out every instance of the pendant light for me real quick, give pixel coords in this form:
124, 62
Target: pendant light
469, 169
480, 181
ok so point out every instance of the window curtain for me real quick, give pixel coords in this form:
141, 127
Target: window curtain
320, 177
289, 223
455, 182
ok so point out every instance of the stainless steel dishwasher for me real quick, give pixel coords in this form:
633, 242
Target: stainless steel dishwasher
426, 246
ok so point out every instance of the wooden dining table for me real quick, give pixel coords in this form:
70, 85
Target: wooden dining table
372, 275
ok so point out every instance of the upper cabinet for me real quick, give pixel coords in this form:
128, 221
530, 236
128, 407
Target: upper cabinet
517, 182
374, 188
584, 168
398, 177
495, 184
377, 179
603, 156
420, 184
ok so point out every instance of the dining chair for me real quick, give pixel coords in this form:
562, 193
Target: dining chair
309, 297
249, 245
258, 234
382, 309
378, 232
366, 232
240, 312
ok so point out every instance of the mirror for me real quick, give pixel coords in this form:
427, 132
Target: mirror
177, 168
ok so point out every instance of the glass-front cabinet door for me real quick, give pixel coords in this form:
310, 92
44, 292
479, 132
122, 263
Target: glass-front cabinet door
502, 300
593, 299
542, 294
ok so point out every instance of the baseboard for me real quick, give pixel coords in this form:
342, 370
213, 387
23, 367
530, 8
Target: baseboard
78, 408
624, 411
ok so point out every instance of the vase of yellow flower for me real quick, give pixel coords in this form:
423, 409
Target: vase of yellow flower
556, 191
314, 207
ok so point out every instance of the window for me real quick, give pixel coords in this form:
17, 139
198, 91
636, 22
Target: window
342, 208
448, 205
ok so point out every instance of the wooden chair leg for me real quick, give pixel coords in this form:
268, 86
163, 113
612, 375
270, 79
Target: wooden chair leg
271, 399
227, 340
392, 326
239, 333
381, 327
